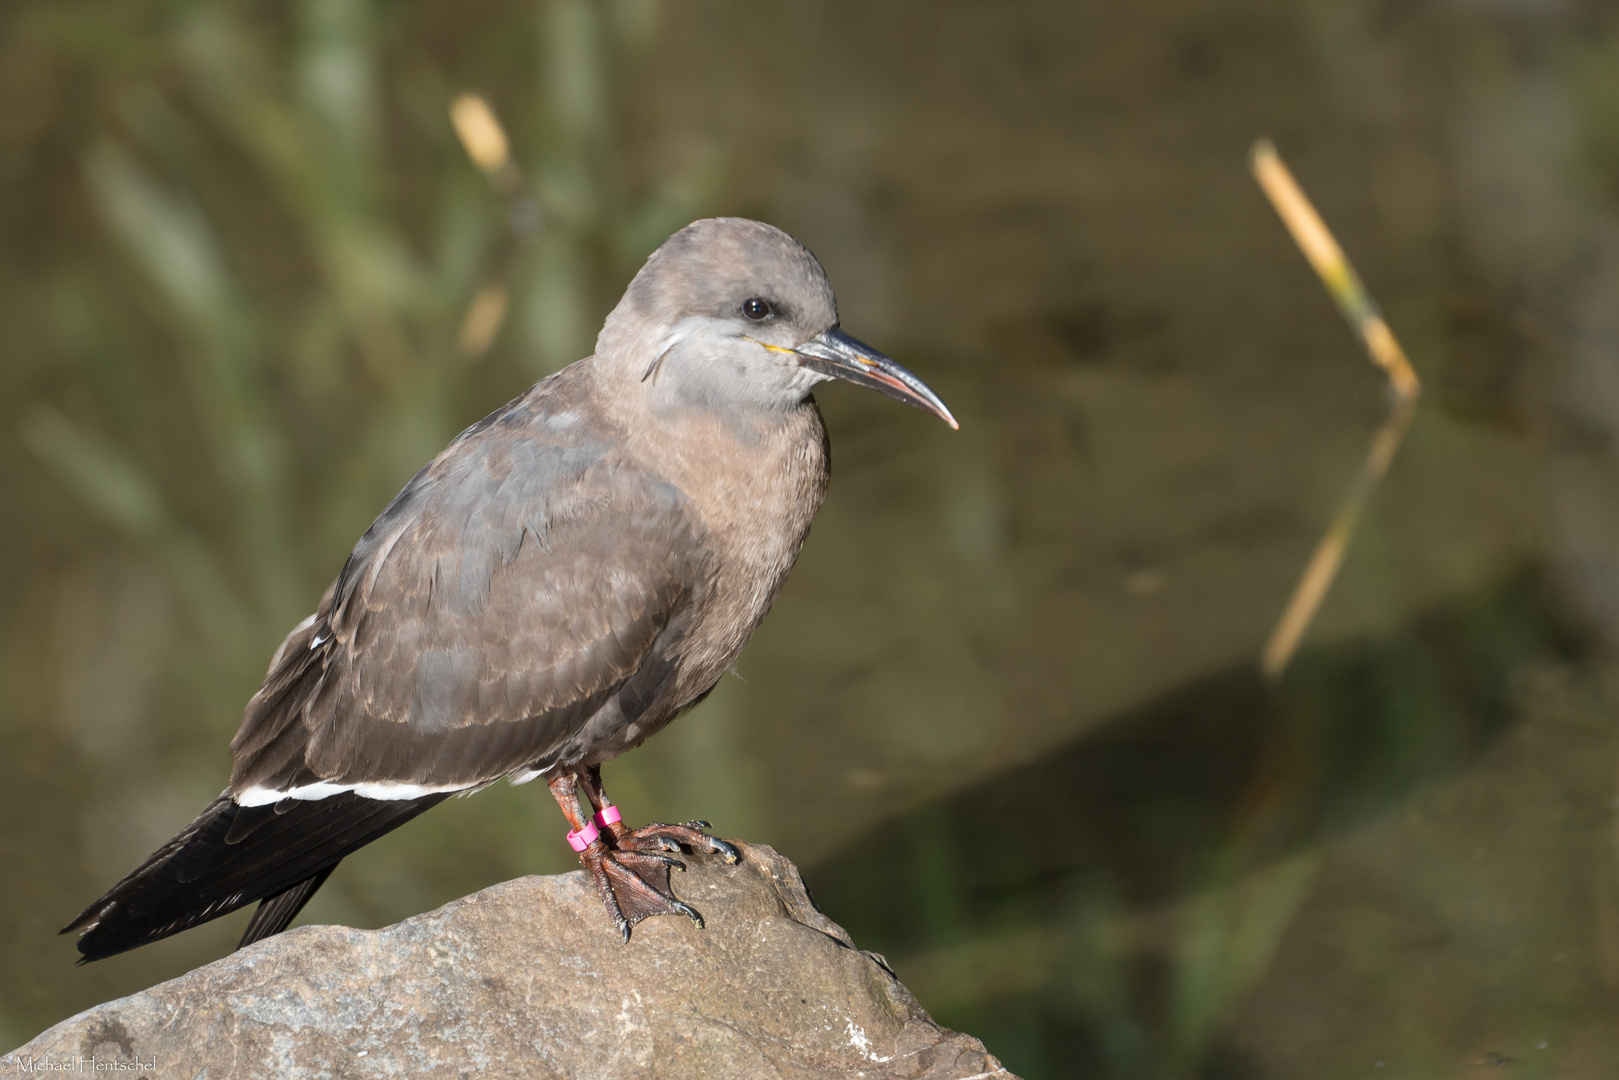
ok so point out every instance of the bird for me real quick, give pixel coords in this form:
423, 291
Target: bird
570, 574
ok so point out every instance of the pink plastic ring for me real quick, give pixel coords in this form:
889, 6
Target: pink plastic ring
608, 815
582, 838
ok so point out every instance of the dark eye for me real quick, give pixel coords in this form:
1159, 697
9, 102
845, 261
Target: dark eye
755, 308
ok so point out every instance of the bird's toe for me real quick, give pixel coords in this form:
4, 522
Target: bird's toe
691, 834
690, 913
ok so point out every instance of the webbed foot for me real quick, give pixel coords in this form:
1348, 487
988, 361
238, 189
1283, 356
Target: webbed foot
630, 866
634, 885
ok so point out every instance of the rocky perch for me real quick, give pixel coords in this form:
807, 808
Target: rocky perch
529, 978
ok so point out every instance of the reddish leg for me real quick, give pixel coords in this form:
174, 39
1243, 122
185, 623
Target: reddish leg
633, 884
656, 836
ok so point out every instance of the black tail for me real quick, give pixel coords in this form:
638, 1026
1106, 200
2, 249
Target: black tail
277, 911
232, 856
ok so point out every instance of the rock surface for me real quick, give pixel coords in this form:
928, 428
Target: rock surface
529, 978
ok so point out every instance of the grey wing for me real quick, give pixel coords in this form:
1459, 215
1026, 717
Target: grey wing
512, 593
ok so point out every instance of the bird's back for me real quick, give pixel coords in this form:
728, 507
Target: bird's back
514, 586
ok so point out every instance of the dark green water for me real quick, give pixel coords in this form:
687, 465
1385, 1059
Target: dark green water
1006, 714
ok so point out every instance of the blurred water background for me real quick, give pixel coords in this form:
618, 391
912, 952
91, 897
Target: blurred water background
1006, 713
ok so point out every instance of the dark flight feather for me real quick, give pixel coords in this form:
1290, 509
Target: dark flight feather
232, 856
276, 912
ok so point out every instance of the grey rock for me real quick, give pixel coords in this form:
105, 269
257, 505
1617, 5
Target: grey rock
529, 978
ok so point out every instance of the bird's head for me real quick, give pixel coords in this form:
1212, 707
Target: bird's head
732, 314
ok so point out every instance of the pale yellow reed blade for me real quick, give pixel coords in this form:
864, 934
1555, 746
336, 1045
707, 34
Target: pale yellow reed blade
480, 132
1338, 275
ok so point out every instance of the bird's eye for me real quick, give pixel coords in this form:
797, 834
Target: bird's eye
755, 308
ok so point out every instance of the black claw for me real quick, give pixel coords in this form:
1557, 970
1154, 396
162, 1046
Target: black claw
690, 913
732, 855
624, 928
668, 844
699, 824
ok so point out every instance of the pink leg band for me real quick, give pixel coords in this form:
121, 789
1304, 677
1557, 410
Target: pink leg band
582, 838
608, 815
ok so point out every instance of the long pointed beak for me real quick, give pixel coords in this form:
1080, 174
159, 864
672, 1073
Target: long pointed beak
839, 356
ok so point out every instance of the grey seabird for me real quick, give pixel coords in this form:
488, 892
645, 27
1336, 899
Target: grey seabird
569, 575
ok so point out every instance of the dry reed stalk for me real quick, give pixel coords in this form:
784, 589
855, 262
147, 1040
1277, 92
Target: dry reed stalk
484, 139
1338, 275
